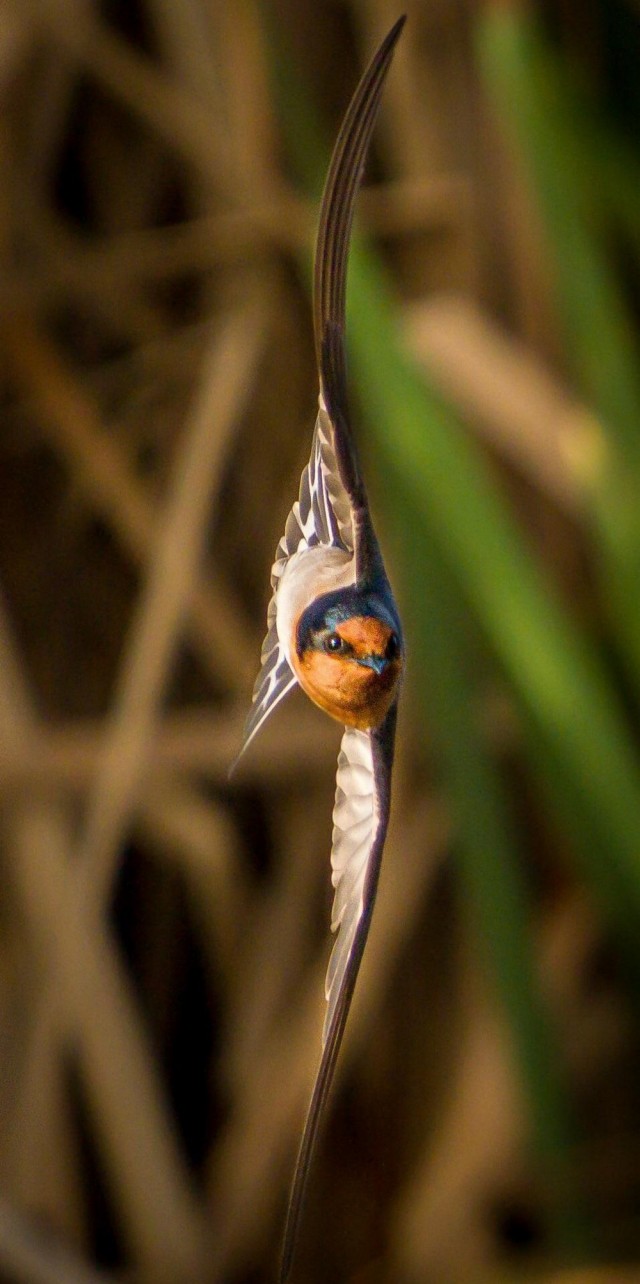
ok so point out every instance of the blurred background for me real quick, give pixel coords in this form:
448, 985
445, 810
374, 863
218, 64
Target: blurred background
163, 931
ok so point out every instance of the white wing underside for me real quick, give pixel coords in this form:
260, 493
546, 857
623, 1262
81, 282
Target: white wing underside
355, 821
320, 515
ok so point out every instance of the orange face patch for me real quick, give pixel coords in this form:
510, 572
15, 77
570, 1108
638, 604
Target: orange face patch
351, 693
366, 634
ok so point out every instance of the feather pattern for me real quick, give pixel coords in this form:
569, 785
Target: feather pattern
354, 824
364, 772
322, 511
320, 515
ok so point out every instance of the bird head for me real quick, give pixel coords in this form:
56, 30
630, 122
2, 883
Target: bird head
348, 656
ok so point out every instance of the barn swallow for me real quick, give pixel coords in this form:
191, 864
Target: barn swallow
333, 625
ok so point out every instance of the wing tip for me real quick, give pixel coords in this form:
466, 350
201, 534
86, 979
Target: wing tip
394, 33
342, 184
231, 770
248, 734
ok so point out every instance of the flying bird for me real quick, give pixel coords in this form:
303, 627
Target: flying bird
333, 625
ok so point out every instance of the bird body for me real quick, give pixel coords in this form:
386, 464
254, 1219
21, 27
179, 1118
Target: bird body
333, 626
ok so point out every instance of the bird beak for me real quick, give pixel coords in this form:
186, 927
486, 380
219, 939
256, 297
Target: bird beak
376, 662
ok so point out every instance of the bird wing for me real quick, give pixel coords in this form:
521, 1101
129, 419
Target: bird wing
320, 515
332, 505
360, 818
330, 289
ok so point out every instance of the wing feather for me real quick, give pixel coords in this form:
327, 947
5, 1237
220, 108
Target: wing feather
364, 773
331, 507
354, 826
332, 252
320, 515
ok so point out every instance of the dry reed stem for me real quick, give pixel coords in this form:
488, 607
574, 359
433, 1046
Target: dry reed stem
71, 423
171, 578
43, 1170
28, 1257
249, 1164
281, 922
248, 101
87, 999
172, 572
441, 1214
42, 1142
97, 274
119, 305
198, 836
522, 244
186, 44
185, 40
87, 992
201, 741
181, 119
472, 1156
508, 395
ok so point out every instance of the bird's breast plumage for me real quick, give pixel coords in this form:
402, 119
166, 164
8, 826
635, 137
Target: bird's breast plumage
352, 694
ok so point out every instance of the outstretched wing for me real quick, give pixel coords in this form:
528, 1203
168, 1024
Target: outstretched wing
360, 818
330, 288
320, 515
332, 506
355, 822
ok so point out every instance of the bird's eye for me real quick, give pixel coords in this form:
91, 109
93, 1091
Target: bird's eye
335, 645
393, 647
